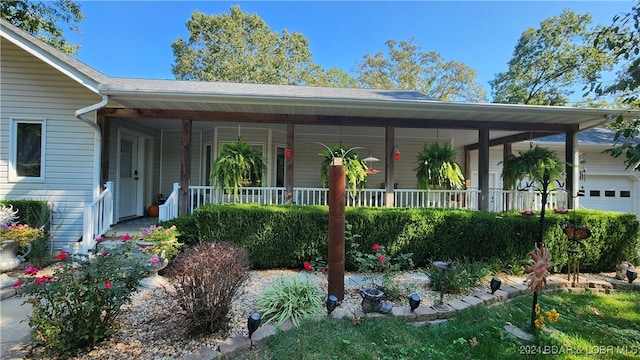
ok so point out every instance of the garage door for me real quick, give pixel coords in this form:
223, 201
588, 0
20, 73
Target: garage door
612, 193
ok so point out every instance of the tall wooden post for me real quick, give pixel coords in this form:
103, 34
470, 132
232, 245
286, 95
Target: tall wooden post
336, 228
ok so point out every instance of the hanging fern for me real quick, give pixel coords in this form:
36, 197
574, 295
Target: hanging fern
437, 167
531, 164
354, 168
238, 164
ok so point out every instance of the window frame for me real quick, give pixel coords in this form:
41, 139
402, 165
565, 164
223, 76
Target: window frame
13, 149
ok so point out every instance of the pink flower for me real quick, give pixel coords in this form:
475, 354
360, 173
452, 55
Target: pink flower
376, 247
381, 257
18, 283
42, 279
307, 266
99, 239
105, 253
108, 284
323, 271
125, 237
62, 256
154, 260
30, 270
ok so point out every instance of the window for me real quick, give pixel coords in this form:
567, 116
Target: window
625, 193
27, 150
594, 193
610, 193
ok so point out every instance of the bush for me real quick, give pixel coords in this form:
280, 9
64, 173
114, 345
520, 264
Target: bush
76, 307
467, 275
186, 226
36, 214
289, 298
208, 277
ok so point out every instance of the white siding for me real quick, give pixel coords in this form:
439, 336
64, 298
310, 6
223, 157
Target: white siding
31, 88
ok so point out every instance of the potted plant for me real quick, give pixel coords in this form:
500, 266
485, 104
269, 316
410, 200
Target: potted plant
531, 164
437, 167
160, 241
354, 168
13, 237
239, 164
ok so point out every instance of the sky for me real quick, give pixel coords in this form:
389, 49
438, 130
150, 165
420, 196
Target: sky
133, 38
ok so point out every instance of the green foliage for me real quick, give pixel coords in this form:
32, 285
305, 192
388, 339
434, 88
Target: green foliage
548, 61
36, 214
437, 167
625, 142
208, 279
378, 261
186, 226
354, 167
77, 306
43, 19
238, 164
289, 298
406, 67
466, 276
164, 239
286, 236
531, 164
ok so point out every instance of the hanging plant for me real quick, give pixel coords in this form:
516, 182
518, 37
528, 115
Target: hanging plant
239, 164
437, 167
531, 164
354, 167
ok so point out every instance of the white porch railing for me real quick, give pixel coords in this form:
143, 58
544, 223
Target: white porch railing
169, 209
450, 199
98, 217
502, 200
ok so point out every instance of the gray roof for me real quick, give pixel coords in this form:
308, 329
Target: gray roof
596, 136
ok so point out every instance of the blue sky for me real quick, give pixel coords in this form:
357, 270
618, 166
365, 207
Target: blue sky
133, 38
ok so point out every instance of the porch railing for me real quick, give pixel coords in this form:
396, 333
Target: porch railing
98, 217
169, 209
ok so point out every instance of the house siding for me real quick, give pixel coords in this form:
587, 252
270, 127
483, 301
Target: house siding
33, 89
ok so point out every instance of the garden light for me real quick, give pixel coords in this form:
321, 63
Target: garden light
253, 323
495, 284
332, 302
631, 275
414, 301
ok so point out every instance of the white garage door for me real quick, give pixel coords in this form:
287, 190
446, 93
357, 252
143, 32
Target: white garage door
612, 193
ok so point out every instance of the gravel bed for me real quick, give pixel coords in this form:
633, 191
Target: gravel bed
148, 327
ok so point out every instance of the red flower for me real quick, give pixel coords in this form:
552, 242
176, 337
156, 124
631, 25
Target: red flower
108, 284
62, 256
99, 239
323, 271
307, 266
376, 247
42, 279
18, 283
105, 253
30, 270
125, 237
381, 257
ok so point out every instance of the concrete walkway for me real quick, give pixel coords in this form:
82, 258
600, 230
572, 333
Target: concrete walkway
14, 329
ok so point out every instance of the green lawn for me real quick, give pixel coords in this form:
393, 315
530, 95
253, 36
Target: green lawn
592, 325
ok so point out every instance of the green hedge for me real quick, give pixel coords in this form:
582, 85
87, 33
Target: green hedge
31, 212
286, 236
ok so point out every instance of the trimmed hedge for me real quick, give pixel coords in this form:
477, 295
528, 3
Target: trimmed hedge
287, 235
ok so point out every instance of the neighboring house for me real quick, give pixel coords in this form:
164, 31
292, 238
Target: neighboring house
67, 132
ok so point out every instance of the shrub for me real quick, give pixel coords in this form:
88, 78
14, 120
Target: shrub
289, 298
186, 226
466, 275
208, 277
36, 214
76, 307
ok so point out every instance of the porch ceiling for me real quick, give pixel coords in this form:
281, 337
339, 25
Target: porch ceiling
171, 99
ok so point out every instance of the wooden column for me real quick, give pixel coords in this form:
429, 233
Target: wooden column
185, 168
389, 171
483, 169
467, 168
105, 132
336, 229
507, 149
572, 168
288, 181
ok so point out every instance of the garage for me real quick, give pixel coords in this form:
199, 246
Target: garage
609, 192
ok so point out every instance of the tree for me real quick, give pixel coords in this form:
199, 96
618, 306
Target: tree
43, 18
406, 67
548, 61
623, 38
240, 47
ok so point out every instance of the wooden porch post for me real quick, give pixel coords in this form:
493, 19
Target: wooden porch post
572, 157
103, 123
185, 168
288, 181
507, 149
389, 166
483, 169
467, 169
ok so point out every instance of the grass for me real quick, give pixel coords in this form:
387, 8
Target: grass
591, 325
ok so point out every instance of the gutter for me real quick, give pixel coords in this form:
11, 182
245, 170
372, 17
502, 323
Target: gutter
81, 115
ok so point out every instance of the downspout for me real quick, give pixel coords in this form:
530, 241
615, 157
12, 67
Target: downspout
97, 151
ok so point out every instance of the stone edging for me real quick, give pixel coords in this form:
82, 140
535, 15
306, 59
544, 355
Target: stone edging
423, 314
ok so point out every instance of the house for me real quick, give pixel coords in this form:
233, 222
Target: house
102, 149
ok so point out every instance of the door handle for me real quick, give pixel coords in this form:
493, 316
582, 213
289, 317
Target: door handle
135, 173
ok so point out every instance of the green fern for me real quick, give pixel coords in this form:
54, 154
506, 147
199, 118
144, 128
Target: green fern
238, 164
354, 168
437, 167
531, 164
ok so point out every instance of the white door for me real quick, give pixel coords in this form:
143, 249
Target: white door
129, 176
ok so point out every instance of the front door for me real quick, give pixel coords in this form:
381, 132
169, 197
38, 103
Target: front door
129, 179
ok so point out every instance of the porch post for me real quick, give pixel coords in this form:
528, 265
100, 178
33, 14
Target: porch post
507, 149
483, 169
572, 157
185, 168
288, 181
336, 228
467, 169
389, 166
103, 123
